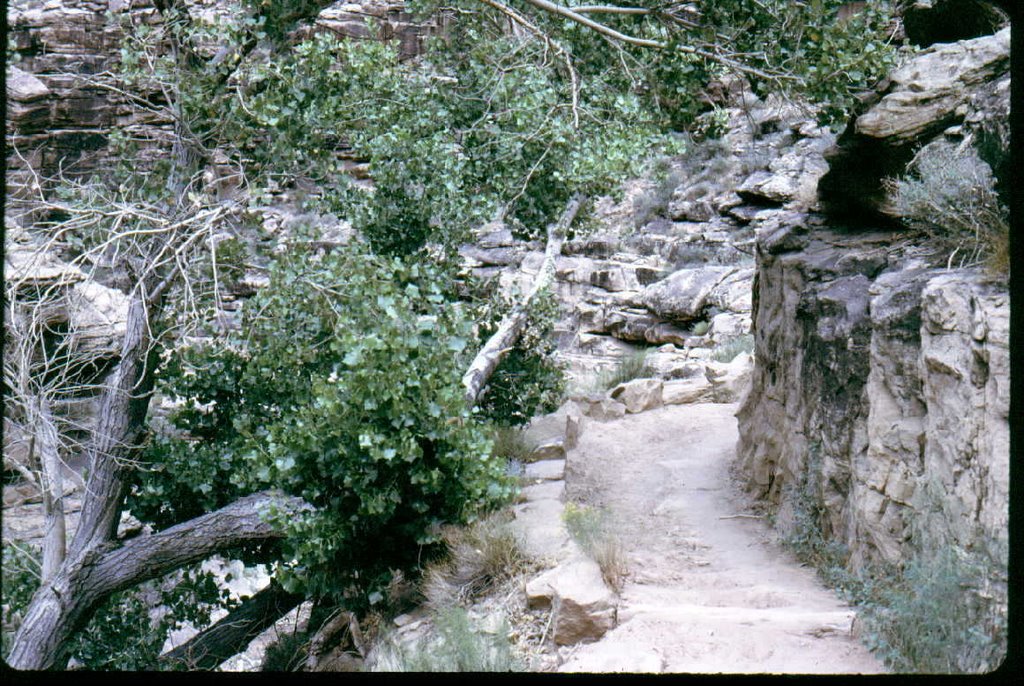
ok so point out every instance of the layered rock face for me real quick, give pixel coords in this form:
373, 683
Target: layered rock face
881, 381
669, 267
60, 114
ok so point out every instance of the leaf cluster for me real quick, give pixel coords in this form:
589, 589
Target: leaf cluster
344, 389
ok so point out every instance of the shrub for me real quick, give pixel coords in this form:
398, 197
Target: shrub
654, 202
634, 366
129, 629
479, 557
510, 444
21, 577
925, 620
343, 388
922, 618
530, 378
728, 351
950, 194
591, 529
454, 645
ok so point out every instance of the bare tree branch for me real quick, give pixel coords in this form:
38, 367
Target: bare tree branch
65, 604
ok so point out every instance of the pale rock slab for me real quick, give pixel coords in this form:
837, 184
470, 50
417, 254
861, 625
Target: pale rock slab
639, 395
584, 606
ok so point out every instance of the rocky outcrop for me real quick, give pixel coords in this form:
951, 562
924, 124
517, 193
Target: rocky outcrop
952, 88
60, 115
879, 389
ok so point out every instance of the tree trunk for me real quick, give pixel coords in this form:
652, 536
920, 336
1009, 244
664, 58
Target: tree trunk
490, 356
230, 636
52, 488
65, 604
119, 426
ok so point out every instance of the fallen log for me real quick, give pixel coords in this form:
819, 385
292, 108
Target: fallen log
512, 325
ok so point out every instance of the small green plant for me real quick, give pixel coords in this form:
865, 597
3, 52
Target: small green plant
480, 556
509, 443
454, 645
21, 577
924, 617
950, 194
634, 366
711, 125
591, 528
728, 351
925, 620
701, 328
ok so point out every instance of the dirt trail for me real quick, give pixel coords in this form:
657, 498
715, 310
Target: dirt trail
707, 591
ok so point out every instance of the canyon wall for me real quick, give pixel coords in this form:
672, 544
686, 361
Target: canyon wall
881, 377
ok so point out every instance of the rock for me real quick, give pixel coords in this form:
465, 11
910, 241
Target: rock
945, 21
726, 326
899, 373
683, 295
573, 429
548, 470
539, 525
733, 292
686, 391
24, 87
606, 409
691, 210
639, 395
792, 178
935, 89
555, 450
549, 490
584, 607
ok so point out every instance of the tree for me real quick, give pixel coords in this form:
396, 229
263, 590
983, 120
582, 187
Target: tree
318, 429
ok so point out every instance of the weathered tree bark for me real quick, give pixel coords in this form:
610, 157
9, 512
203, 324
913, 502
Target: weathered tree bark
228, 637
490, 356
64, 605
115, 439
51, 487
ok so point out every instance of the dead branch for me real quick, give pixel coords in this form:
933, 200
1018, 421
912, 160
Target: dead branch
491, 354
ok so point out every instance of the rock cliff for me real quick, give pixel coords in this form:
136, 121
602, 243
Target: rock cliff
881, 381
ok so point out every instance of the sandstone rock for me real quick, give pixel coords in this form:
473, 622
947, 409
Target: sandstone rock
945, 21
683, 295
548, 490
791, 178
686, 391
605, 410
548, 470
554, 450
927, 95
585, 608
573, 429
639, 395
539, 525
726, 326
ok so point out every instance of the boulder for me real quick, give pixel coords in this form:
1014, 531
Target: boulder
539, 525
605, 409
553, 450
792, 178
685, 391
548, 470
584, 606
683, 295
639, 395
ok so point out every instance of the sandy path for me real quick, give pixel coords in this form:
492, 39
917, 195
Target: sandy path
707, 591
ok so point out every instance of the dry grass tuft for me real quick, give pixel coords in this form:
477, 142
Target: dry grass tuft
480, 557
591, 529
